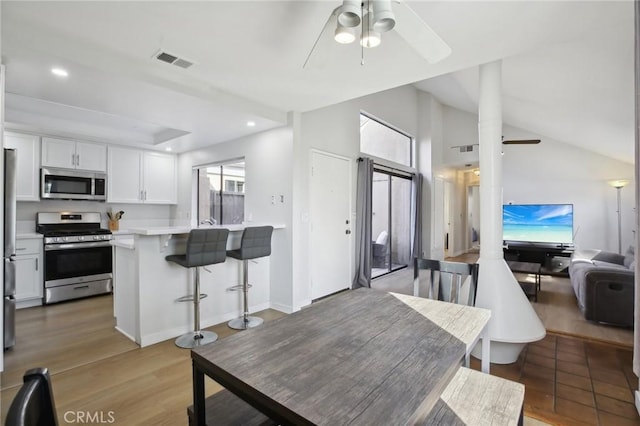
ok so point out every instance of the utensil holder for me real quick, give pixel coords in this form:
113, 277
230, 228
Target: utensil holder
114, 225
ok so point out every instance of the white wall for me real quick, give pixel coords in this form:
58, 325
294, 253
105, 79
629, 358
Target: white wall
460, 128
268, 162
557, 172
336, 129
429, 155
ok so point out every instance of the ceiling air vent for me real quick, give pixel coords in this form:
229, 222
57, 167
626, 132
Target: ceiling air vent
172, 59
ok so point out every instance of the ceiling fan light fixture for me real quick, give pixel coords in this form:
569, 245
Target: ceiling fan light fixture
369, 37
383, 18
345, 35
349, 14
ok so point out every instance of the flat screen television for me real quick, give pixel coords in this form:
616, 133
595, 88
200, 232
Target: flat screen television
538, 223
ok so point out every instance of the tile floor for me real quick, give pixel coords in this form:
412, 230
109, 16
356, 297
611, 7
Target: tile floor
571, 381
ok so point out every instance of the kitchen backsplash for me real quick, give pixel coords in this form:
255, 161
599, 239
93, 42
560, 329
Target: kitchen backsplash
134, 214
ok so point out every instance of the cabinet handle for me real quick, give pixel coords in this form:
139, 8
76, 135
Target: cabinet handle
145, 195
20, 248
77, 159
36, 263
73, 159
141, 195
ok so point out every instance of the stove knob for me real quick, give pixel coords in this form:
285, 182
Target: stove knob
65, 239
96, 237
81, 238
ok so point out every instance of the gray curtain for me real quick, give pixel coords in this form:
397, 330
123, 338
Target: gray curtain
636, 318
363, 224
416, 215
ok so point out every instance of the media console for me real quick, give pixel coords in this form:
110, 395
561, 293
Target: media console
554, 258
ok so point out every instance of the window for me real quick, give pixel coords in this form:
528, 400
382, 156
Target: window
382, 141
221, 193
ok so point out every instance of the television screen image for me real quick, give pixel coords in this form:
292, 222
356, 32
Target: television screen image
538, 223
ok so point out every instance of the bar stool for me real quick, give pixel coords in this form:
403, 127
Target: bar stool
204, 247
256, 242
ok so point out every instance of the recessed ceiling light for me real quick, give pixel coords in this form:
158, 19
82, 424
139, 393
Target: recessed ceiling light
59, 72
251, 123
168, 148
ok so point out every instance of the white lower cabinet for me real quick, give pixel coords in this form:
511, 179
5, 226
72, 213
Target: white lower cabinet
29, 277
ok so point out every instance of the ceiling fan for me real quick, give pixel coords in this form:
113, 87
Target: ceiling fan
368, 20
520, 141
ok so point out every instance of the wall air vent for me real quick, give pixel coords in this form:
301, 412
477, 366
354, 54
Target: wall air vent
464, 148
172, 59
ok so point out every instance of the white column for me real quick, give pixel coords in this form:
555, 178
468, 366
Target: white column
513, 320
490, 138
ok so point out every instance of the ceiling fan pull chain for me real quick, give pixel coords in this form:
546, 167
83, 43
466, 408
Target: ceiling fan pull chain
362, 33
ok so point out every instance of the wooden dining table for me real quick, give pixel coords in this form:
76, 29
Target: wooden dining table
362, 357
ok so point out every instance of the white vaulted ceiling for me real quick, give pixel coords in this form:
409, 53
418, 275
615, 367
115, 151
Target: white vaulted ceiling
567, 67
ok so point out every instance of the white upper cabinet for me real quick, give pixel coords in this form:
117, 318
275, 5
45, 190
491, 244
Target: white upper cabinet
136, 176
28, 165
73, 155
123, 175
159, 178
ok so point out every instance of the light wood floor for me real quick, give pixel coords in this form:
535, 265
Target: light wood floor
95, 369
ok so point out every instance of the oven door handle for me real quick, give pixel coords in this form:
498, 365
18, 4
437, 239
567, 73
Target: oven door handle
49, 247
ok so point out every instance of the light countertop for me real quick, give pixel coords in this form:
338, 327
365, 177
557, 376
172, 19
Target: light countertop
168, 230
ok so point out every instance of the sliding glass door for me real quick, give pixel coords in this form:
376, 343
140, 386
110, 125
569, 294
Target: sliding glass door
391, 221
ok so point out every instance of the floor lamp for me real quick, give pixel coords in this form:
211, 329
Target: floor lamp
618, 185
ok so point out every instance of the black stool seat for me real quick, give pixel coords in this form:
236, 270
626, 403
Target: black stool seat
255, 243
204, 247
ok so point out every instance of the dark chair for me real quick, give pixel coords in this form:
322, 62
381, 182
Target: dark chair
379, 249
33, 405
204, 247
447, 280
255, 243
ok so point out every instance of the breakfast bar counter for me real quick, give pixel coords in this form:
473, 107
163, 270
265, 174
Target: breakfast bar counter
146, 286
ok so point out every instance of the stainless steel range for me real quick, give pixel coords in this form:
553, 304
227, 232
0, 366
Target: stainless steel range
77, 255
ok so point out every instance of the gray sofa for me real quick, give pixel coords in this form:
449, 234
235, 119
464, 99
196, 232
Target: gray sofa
604, 285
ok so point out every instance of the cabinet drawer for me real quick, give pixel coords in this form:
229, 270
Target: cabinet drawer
28, 246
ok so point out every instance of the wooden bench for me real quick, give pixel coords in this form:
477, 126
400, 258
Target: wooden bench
471, 398
475, 398
225, 409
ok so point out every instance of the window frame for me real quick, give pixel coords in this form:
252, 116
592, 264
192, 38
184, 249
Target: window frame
196, 189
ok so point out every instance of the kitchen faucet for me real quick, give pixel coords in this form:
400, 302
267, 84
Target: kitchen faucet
210, 221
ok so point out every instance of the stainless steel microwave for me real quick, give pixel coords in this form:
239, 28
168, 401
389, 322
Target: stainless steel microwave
65, 184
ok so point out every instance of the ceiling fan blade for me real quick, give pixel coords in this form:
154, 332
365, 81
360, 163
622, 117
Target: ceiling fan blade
319, 51
425, 41
521, 142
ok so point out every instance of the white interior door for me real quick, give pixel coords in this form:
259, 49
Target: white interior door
330, 224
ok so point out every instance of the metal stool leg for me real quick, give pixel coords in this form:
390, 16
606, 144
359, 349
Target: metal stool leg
245, 321
196, 337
